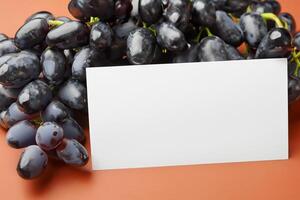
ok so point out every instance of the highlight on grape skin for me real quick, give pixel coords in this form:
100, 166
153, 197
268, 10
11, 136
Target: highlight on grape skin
43, 92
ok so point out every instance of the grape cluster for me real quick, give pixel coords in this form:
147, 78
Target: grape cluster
43, 94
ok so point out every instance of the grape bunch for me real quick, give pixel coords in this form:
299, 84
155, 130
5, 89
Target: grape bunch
43, 95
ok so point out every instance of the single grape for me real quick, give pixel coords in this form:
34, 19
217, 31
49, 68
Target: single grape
254, 28
123, 30
236, 5
69, 35
101, 36
13, 115
150, 11
21, 135
140, 46
227, 30
203, 13
276, 44
72, 153
178, 16
296, 41
55, 112
53, 63
32, 33
32, 163
83, 9
212, 48
40, 15
72, 130
73, 94
289, 20
19, 69
276, 7
170, 37
34, 97
189, 55
293, 89
123, 9
3, 37
8, 46
82, 60
49, 135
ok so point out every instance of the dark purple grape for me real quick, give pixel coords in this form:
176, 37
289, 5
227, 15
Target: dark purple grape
40, 15
72, 153
140, 46
227, 30
296, 41
276, 44
21, 135
203, 13
53, 63
32, 33
7, 96
55, 112
171, 38
73, 94
14, 115
84, 9
19, 69
123, 9
150, 11
3, 123
8, 46
232, 53
3, 37
276, 7
212, 48
69, 35
72, 130
32, 163
293, 89
289, 20
260, 7
123, 30
49, 135
189, 55
101, 36
34, 97
236, 5
178, 16
254, 28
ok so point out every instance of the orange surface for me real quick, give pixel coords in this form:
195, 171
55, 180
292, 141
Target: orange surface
274, 180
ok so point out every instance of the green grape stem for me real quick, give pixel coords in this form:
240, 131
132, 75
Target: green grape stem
297, 61
55, 22
208, 32
271, 16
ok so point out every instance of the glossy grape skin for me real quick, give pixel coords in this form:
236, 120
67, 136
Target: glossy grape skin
84, 9
73, 94
72, 153
72, 130
189, 55
7, 96
19, 69
82, 60
69, 56
8, 46
140, 46
21, 135
296, 41
203, 13
261, 7
289, 20
63, 19
32, 33
232, 53
3, 37
49, 135
150, 11
69, 35
275, 44
178, 16
53, 64
170, 37
40, 15
236, 5
122, 9
227, 30
275, 6
32, 163
13, 115
55, 112
293, 89
34, 97
212, 48
123, 30
254, 28
101, 36
3, 123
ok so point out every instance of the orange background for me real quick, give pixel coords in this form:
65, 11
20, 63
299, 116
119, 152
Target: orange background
274, 180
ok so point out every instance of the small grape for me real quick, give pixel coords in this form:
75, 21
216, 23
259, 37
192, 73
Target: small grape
55, 112
49, 135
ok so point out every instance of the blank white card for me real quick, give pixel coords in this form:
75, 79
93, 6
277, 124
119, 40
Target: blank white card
186, 114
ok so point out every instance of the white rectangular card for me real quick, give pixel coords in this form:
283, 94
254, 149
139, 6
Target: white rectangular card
186, 114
